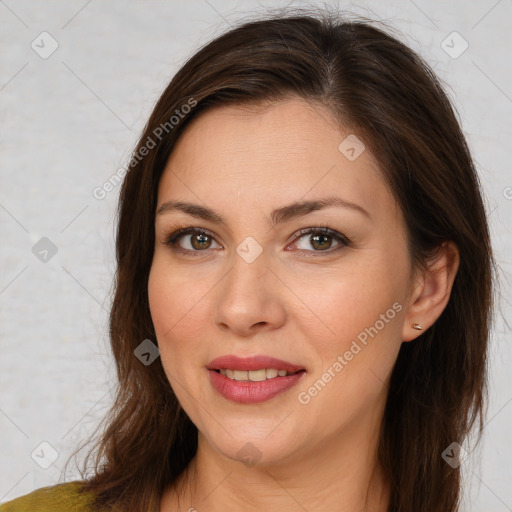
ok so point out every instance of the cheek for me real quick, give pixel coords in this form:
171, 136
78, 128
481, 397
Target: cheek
177, 312
349, 379
356, 315
338, 306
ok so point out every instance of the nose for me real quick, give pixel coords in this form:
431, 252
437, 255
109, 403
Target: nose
250, 298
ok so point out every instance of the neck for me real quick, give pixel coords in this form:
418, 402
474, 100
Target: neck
339, 474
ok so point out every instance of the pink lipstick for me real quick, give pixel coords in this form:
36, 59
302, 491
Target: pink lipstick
254, 379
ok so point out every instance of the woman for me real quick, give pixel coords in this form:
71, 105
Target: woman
304, 285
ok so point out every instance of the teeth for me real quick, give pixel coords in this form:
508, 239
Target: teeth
253, 375
272, 373
240, 375
258, 375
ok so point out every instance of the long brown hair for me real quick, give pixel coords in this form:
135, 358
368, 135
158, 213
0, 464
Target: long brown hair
383, 91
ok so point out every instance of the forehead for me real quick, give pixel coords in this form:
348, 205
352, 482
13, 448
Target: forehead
273, 153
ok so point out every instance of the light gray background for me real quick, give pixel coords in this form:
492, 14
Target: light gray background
71, 120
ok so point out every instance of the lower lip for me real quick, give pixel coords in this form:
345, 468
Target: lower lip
249, 392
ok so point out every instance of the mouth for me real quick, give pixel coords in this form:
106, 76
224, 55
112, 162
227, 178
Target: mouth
253, 368
252, 379
255, 375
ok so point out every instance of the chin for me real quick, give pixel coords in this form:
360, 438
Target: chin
254, 444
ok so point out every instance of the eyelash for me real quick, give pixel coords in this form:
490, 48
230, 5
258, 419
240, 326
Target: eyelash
173, 237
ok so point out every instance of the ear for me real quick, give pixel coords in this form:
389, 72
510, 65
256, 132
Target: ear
431, 291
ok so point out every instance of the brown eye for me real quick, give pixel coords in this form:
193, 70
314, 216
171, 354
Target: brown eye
200, 241
195, 240
322, 239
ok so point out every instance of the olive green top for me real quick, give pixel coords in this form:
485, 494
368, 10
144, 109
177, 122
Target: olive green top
57, 498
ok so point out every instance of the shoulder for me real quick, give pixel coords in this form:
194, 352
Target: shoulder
64, 497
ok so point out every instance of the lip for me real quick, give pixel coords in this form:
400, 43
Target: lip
249, 392
231, 362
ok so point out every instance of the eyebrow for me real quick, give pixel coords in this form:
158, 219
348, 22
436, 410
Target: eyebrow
282, 214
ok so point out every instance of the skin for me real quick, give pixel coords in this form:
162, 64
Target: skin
243, 162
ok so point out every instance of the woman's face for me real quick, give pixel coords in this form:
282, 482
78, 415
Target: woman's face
264, 281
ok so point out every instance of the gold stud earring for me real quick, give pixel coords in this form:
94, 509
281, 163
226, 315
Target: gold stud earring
417, 326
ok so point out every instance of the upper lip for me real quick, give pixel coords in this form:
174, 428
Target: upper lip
232, 362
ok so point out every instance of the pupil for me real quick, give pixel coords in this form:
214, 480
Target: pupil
202, 239
316, 237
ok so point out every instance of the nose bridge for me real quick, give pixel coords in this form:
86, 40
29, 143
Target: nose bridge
248, 294
248, 271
